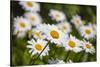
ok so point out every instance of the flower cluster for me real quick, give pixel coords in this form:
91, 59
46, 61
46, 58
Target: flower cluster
42, 35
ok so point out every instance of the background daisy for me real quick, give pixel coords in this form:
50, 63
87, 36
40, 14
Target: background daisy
30, 6
88, 47
73, 44
34, 18
64, 27
37, 34
57, 15
76, 20
87, 31
21, 24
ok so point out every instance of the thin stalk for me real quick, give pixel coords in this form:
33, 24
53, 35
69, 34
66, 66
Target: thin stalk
67, 56
43, 49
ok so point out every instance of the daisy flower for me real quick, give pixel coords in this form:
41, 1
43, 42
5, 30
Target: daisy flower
20, 34
88, 47
87, 31
54, 34
64, 27
37, 46
37, 34
57, 15
43, 27
34, 18
30, 6
73, 44
21, 24
57, 61
76, 20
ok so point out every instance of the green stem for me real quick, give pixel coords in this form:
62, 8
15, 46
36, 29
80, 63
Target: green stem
81, 56
41, 52
43, 49
67, 54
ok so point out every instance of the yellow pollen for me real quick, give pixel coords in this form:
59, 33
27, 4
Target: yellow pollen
77, 21
65, 27
32, 18
88, 46
22, 24
54, 34
30, 4
37, 34
57, 15
87, 31
71, 44
38, 47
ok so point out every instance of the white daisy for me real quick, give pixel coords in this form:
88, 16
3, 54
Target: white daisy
76, 20
54, 34
57, 15
37, 34
43, 27
38, 46
21, 24
73, 44
87, 31
34, 18
88, 47
64, 27
20, 34
30, 6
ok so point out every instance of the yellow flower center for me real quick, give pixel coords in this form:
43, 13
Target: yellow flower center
87, 31
57, 15
54, 34
37, 34
32, 18
38, 47
30, 4
71, 44
88, 46
22, 24
65, 27
78, 21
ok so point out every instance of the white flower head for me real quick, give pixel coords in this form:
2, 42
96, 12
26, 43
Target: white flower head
57, 15
34, 18
54, 34
88, 47
64, 27
20, 34
38, 46
37, 34
21, 24
73, 44
76, 20
30, 6
87, 31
